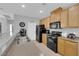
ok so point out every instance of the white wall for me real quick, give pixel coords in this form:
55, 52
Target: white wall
4, 24
31, 30
21, 18
30, 27
16, 26
66, 31
5, 34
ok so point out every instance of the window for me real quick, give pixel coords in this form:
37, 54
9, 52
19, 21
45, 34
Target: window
10, 29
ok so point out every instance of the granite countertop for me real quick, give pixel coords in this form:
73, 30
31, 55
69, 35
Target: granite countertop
73, 40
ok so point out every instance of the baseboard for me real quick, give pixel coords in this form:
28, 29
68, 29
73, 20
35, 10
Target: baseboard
7, 49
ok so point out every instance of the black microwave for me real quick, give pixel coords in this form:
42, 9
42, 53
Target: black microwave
55, 25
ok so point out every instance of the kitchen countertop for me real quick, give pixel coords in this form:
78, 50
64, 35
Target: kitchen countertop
76, 40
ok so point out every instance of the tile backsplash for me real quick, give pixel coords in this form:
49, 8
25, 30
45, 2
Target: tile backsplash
66, 31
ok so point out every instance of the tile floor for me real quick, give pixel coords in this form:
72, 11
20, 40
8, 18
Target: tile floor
32, 48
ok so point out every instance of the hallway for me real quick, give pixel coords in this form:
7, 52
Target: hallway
24, 49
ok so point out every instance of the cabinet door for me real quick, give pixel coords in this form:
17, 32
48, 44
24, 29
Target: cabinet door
52, 18
71, 48
57, 16
44, 39
42, 21
48, 22
45, 22
74, 16
61, 46
64, 18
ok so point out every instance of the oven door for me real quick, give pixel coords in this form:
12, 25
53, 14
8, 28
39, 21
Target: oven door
52, 44
52, 39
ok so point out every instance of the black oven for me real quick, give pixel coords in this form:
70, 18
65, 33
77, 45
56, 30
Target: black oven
55, 25
52, 40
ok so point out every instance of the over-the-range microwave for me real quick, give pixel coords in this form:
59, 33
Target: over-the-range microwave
55, 25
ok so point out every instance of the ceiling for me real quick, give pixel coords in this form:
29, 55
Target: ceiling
35, 10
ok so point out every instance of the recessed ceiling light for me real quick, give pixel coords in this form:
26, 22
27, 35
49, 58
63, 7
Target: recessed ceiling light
23, 6
41, 11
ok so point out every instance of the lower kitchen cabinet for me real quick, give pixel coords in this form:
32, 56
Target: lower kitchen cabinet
44, 39
67, 47
71, 48
61, 46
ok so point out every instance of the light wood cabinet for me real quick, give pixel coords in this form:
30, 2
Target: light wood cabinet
74, 16
41, 21
48, 22
45, 22
71, 48
52, 18
56, 15
67, 47
44, 39
61, 46
69, 17
64, 18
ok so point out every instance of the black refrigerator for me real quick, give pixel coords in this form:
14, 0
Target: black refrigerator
40, 29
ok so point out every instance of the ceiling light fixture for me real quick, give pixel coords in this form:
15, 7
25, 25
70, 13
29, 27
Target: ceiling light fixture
41, 11
23, 6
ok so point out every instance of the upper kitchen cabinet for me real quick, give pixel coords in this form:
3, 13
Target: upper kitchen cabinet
47, 22
74, 16
64, 18
42, 21
52, 17
56, 14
